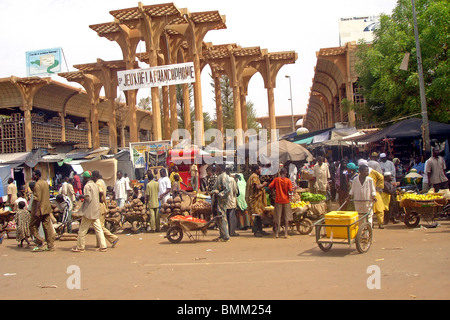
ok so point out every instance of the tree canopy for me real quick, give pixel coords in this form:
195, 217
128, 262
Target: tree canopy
391, 92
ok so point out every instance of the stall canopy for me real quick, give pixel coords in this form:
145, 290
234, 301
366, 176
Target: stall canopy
297, 138
408, 129
14, 159
5, 173
264, 152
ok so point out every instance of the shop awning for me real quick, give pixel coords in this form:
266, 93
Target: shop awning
408, 129
14, 158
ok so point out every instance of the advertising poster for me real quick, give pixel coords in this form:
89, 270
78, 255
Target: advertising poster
141, 153
43, 62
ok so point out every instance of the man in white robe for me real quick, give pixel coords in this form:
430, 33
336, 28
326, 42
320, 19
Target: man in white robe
363, 191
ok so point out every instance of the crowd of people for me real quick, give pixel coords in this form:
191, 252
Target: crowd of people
376, 179
237, 203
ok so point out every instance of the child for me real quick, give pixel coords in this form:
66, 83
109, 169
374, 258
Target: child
176, 189
22, 224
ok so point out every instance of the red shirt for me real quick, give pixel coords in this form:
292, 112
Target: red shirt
282, 187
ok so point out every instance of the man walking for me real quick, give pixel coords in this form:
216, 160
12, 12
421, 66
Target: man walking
152, 203
90, 210
40, 213
221, 190
112, 238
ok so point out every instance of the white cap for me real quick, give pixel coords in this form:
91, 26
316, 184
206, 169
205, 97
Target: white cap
383, 155
362, 162
387, 173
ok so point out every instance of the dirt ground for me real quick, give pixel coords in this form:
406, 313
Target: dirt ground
412, 264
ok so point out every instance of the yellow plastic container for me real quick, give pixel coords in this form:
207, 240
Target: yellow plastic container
341, 218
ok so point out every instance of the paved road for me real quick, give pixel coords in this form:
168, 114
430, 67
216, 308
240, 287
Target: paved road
402, 264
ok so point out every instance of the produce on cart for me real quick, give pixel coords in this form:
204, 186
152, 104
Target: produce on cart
300, 211
113, 219
318, 205
415, 206
136, 214
180, 225
201, 207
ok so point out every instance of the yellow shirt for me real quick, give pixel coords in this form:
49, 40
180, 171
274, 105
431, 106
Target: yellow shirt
172, 177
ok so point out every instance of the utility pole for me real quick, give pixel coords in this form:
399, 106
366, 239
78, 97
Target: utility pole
423, 100
292, 105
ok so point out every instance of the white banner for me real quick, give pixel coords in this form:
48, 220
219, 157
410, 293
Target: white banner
156, 77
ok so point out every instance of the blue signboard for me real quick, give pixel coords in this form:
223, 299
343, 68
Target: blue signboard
43, 62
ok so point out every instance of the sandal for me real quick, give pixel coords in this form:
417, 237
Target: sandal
38, 249
115, 243
101, 249
77, 250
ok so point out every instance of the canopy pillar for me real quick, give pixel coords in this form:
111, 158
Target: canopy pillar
92, 85
28, 88
233, 60
106, 72
269, 66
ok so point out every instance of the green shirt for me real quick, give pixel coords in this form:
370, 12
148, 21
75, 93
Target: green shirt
151, 193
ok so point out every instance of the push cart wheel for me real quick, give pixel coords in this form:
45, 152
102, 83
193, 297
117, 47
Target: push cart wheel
175, 234
412, 219
305, 226
364, 238
325, 247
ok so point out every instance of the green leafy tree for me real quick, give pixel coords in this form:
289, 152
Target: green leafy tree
391, 92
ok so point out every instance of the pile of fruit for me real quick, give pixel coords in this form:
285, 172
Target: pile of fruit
311, 197
419, 197
188, 218
173, 205
300, 204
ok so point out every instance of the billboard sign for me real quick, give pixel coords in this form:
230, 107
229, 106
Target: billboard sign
43, 62
140, 152
357, 28
156, 77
